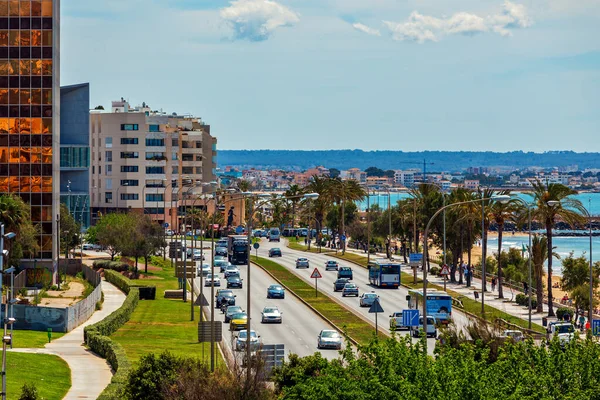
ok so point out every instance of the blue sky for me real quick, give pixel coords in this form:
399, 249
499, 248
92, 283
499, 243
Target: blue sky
336, 74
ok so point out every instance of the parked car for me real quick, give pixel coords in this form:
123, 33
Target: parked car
275, 291
515, 335
302, 262
89, 246
339, 284
331, 265
431, 327
275, 252
329, 339
367, 299
231, 310
396, 322
345, 272
224, 294
271, 314
350, 289
242, 340
234, 281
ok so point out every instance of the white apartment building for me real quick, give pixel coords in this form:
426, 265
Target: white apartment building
354, 174
141, 160
471, 184
404, 178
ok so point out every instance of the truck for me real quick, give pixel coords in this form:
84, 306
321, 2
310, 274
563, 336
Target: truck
237, 249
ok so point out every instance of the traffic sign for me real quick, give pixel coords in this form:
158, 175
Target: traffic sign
445, 270
415, 257
166, 224
239, 229
256, 245
375, 307
410, 317
316, 274
596, 327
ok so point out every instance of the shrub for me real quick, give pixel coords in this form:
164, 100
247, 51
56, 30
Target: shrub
562, 312
118, 266
521, 299
152, 375
434, 270
146, 292
533, 303
29, 392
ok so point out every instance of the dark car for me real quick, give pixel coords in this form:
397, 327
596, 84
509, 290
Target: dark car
275, 291
345, 272
221, 251
275, 252
225, 295
339, 284
331, 265
234, 281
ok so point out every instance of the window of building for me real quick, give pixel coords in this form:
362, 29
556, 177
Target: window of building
155, 156
187, 170
130, 168
108, 169
108, 197
99, 169
108, 142
154, 210
130, 196
130, 182
130, 154
154, 197
93, 169
198, 145
129, 127
108, 156
174, 156
129, 140
198, 170
108, 183
187, 157
154, 128
155, 142
153, 183
175, 142
175, 170
155, 170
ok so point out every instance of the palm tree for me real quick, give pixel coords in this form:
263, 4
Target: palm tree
569, 210
500, 213
294, 191
322, 186
539, 254
344, 191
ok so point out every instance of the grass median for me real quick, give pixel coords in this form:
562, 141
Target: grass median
345, 319
49, 374
300, 246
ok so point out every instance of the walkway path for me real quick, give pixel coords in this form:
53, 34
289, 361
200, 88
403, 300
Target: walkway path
90, 374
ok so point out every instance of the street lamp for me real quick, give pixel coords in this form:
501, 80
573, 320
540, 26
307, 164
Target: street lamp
501, 198
6, 339
528, 206
389, 196
555, 203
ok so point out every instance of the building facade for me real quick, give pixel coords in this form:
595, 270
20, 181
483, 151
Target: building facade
404, 178
75, 151
143, 160
30, 110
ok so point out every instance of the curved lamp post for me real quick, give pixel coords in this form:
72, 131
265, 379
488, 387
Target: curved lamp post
528, 206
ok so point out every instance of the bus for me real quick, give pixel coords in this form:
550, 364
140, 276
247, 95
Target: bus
384, 273
439, 304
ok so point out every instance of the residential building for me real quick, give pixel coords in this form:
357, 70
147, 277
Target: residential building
75, 151
405, 178
445, 185
376, 181
471, 184
144, 160
30, 113
354, 174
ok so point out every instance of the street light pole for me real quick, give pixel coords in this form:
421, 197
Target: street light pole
483, 277
520, 200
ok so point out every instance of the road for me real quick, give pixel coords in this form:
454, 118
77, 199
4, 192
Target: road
300, 326
391, 300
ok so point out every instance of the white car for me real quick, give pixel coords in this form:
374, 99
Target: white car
242, 339
210, 278
231, 270
204, 270
515, 335
431, 330
89, 246
271, 314
329, 339
198, 255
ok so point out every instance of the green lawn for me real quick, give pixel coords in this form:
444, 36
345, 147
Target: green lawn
162, 324
299, 245
32, 339
355, 326
50, 374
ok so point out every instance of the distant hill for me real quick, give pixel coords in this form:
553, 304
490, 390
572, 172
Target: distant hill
442, 160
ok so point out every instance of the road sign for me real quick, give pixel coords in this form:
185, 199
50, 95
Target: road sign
256, 245
204, 331
272, 355
316, 274
166, 225
375, 307
410, 317
239, 229
596, 327
445, 270
415, 258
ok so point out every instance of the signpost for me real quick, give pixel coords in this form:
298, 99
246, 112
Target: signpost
445, 272
256, 246
316, 275
376, 309
414, 260
596, 327
410, 317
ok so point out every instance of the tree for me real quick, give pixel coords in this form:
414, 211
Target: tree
334, 172
374, 171
295, 192
153, 239
113, 232
576, 280
539, 254
69, 230
569, 210
29, 392
15, 214
322, 186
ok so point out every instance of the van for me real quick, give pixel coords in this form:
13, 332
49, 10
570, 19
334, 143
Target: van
274, 235
431, 327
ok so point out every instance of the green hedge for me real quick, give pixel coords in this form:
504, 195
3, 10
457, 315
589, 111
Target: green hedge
147, 292
97, 338
112, 265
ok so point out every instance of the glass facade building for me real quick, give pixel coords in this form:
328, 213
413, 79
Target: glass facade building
29, 130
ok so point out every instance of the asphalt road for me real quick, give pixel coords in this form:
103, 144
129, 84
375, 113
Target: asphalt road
391, 300
300, 326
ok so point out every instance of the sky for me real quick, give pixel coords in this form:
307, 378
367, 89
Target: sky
405, 75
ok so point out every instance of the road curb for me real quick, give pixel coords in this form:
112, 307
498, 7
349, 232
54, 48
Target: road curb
352, 340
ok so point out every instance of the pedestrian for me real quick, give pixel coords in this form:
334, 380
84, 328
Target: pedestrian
493, 284
526, 287
469, 275
581, 321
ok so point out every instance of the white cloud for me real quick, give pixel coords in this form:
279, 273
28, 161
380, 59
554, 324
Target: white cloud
422, 28
366, 29
256, 20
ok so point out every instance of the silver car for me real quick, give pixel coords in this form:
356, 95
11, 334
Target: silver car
367, 299
210, 278
329, 339
204, 270
271, 314
302, 262
350, 289
242, 339
231, 270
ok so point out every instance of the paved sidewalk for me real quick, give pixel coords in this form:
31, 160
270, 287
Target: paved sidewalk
90, 374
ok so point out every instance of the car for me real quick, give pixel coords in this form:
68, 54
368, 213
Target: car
329, 339
198, 256
234, 281
231, 270
339, 284
350, 289
204, 270
210, 278
564, 331
232, 310
238, 321
275, 252
345, 272
275, 291
367, 299
515, 335
302, 262
396, 322
224, 294
257, 233
274, 235
271, 314
222, 264
169, 232
242, 339
331, 265
221, 251
431, 327
223, 242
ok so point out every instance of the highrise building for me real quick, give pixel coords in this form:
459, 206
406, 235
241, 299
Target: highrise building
142, 160
30, 110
